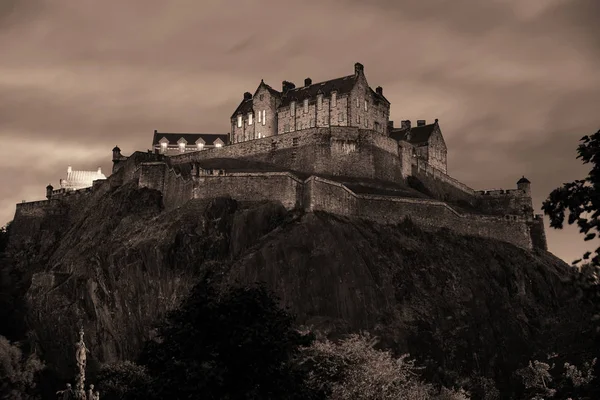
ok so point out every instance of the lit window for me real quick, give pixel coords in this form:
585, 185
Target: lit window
218, 145
357, 104
264, 117
333, 99
293, 108
163, 147
357, 119
249, 118
239, 121
200, 146
305, 105
260, 97
319, 102
182, 147
365, 105
259, 115
259, 135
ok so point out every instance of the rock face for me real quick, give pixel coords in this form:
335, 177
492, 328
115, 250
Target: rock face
464, 304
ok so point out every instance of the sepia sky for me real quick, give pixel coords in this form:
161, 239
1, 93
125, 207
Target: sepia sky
515, 84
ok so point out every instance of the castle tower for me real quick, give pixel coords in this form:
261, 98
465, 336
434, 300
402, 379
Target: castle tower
116, 154
49, 190
525, 185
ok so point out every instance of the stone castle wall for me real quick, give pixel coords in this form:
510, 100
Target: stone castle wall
345, 151
325, 195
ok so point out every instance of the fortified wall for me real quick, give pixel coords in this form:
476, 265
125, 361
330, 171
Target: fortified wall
317, 193
348, 151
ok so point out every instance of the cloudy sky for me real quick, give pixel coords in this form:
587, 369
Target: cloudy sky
514, 83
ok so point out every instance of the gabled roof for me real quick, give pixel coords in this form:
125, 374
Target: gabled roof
173, 138
415, 135
245, 106
379, 96
341, 85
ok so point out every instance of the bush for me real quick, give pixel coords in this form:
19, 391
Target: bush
354, 369
18, 374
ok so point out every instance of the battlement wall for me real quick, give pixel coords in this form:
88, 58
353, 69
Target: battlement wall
175, 188
421, 167
321, 194
336, 198
35, 220
345, 151
274, 186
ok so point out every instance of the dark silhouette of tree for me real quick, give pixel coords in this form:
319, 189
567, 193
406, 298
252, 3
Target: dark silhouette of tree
232, 344
581, 198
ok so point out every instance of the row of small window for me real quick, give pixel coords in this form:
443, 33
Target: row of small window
260, 114
183, 147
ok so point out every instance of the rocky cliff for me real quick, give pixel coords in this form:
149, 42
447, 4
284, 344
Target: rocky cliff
464, 305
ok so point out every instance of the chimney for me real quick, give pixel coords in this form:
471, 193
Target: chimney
379, 90
285, 85
307, 82
406, 124
359, 69
390, 125
247, 96
421, 122
99, 170
69, 169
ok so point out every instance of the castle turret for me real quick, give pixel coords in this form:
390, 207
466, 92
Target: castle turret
525, 185
116, 154
49, 190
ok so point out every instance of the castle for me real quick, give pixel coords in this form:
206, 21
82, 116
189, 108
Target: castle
326, 146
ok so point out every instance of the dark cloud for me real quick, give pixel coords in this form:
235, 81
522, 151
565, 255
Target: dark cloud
514, 83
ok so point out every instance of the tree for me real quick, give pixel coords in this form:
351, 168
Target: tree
581, 198
121, 380
18, 374
235, 344
354, 369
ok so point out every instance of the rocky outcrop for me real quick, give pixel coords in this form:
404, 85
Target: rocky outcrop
464, 304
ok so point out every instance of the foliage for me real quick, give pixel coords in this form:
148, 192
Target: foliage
542, 380
536, 378
235, 344
581, 198
121, 380
354, 369
18, 373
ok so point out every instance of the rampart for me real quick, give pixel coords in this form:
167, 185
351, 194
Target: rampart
321, 194
345, 151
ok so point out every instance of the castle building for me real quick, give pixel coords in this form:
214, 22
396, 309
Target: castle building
80, 179
345, 101
328, 146
178, 143
427, 140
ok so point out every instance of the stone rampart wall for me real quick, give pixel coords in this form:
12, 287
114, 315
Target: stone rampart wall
274, 186
336, 198
421, 167
337, 150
